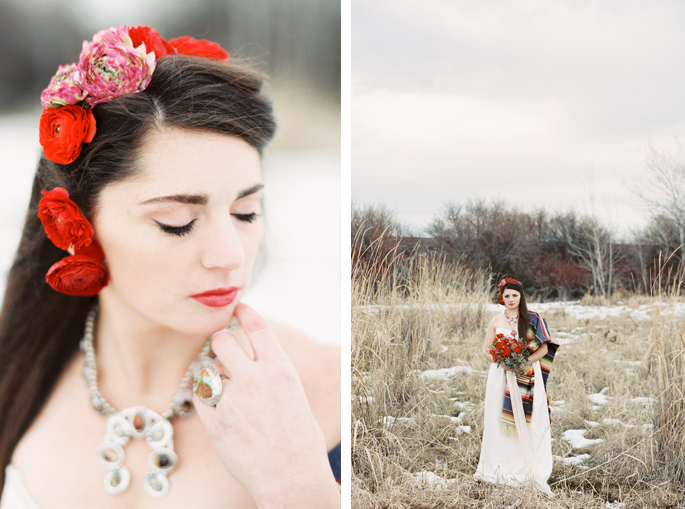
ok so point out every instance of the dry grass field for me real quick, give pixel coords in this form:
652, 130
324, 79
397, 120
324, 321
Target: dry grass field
617, 389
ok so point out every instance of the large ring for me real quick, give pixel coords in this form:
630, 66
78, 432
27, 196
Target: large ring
208, 386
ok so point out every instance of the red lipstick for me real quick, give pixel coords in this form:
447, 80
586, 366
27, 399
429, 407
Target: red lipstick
217, 298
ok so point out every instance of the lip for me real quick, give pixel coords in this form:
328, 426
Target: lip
217, 298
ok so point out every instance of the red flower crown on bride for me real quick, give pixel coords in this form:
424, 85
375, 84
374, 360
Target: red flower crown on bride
117, 62
500, 286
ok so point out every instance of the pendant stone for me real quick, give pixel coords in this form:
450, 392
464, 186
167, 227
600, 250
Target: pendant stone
138, 422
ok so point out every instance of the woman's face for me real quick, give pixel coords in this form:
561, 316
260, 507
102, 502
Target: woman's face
180, 238
511, 298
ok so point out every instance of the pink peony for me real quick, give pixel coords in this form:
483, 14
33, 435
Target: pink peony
64, 88
112, 67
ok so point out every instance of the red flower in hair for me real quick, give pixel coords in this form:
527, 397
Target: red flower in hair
153, 41
500, 299
63, 130
78, 275
199, 48
64, 223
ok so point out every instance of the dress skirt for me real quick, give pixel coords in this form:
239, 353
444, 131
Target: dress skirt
515, 458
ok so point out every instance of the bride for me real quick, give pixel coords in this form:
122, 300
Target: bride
143, 227
517, 445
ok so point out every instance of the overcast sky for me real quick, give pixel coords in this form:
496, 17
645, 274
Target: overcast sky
539, 103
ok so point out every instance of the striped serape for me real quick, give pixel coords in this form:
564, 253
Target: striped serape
538, 333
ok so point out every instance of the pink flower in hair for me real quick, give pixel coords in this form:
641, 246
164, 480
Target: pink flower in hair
112, 67
64, 88
502, 283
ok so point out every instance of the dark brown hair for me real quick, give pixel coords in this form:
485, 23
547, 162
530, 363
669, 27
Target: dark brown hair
523, 319
40, 328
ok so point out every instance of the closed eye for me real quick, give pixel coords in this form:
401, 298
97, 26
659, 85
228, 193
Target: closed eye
248, 218
177, 230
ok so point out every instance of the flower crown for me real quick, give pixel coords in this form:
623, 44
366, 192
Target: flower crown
117, 62
501, 285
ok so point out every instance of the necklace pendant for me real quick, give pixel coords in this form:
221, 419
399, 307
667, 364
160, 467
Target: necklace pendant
138, 422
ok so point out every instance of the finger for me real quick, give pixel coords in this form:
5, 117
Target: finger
264, 343
226, 347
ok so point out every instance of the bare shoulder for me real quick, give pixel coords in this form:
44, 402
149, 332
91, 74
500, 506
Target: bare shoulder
494, 321
318, 366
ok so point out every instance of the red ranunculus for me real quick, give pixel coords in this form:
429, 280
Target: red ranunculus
63, 131
507, 352
499, 344
94, 250
153, 41
500, 335
517, 349
78, 275
64, 223
199, 48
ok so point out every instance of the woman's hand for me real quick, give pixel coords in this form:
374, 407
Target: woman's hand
262, 428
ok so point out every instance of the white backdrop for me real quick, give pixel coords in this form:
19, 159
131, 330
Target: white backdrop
300, 282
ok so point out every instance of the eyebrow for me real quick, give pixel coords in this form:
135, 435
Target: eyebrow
199, 199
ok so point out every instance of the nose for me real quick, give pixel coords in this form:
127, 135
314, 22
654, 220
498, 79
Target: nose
222, 246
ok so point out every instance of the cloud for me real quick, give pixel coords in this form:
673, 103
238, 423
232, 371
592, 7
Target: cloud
476, 97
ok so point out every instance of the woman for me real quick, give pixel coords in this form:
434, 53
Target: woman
142, 231
517, 445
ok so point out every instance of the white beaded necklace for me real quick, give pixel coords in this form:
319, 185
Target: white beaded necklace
136, 422
511, 320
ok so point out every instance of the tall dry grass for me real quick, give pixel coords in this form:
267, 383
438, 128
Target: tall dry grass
411, 314
401, 307
668, 357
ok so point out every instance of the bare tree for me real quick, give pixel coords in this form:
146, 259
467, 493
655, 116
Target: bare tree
595, 252
662, 188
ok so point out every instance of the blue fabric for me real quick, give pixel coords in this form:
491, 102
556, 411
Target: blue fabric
334, 460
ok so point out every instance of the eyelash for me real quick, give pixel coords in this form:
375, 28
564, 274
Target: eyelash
177, 230
180, 231
247, 218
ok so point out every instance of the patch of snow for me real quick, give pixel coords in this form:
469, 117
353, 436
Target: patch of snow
432, 479
445, 373
557, 406
443, 349
614, 505
642, 400
467, 405
460, 430
591, 424
600, 398
576, 437
564, 338
629, 363
454, 420
389, 420
366, 399
572, 460
617, 422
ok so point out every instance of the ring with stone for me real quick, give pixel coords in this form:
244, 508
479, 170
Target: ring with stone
208, 386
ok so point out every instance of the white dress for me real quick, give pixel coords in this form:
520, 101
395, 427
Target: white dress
14, 494
522, 458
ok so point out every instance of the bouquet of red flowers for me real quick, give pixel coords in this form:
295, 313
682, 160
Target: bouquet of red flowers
511, 351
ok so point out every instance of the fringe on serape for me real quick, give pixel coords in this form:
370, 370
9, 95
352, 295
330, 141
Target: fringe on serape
539, 331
